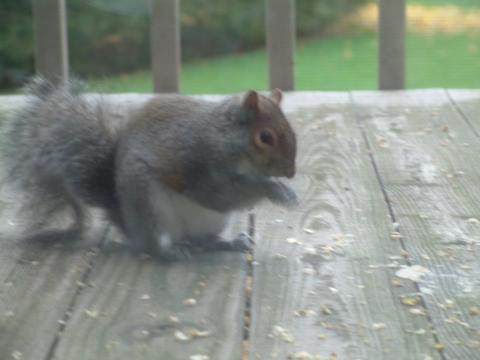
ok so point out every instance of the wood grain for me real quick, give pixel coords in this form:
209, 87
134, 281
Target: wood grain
131, 309
467, 103
332, 293
38, 286
426, 156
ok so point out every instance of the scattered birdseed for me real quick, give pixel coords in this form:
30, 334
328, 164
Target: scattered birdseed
449, 304
283, 334
92, 313
199, 357
474, 311
199, 333
173, 319
418, 311
292, 240
308, 271
395, 235
304, 313
378, 326
302, 355
310, 250
190, 302
454, 320
414, 273
180, 335
410, 301
326, 310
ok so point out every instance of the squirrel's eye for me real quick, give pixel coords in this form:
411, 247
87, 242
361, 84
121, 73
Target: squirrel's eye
266, 137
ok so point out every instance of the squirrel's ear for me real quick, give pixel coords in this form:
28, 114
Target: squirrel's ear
250, 100
276, 95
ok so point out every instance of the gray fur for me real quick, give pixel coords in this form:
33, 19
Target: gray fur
61, 151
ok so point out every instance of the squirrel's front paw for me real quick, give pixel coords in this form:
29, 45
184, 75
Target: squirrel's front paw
284, 195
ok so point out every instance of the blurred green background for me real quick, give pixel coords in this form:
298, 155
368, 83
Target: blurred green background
223, 40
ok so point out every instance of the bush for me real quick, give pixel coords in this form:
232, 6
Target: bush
16, 41
112, 37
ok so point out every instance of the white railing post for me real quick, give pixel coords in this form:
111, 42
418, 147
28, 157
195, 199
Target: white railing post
280, 31
165, 45
50, 33
391, 52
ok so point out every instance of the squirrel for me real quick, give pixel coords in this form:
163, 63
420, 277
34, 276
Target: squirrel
169, 178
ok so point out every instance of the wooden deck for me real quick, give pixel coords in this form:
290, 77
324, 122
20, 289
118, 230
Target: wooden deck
390, 193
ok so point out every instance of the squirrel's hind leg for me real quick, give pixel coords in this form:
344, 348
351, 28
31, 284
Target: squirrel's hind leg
147, 218
42, 227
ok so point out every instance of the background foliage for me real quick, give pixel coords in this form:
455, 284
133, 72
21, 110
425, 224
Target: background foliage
111, 37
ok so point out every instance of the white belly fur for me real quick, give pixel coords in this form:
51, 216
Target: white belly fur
191, 219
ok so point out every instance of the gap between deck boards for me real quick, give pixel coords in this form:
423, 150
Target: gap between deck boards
62, 323
393, 217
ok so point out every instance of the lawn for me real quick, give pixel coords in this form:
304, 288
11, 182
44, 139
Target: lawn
466, 4
334, 63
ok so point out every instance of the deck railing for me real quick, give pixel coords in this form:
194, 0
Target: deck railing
51, 46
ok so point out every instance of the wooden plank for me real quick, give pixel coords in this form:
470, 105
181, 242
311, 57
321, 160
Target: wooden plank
431, 178
467, 103
51, 45
391, 51
36, 295
334, 292
131, 310
280, 32
38, 285
165, 45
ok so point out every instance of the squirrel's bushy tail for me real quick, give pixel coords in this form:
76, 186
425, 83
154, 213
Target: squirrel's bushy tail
39, 87
57, 149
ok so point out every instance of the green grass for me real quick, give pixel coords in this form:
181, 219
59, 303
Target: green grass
335, 63
449, 61
467, 4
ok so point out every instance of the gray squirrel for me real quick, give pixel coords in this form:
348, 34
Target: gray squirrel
168, 179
